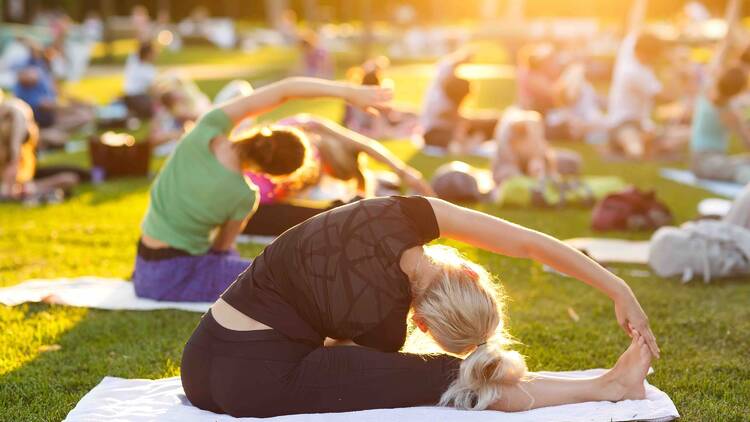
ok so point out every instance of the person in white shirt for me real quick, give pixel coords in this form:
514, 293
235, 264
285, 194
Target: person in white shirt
140, 73
633, 93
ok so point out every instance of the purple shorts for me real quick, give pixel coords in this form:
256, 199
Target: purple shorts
195, 278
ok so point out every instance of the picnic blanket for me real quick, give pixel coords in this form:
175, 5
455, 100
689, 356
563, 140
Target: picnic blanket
610, 251
89, 292
727, 189
137, 400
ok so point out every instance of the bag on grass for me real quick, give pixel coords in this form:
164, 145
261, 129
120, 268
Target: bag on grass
711, 249
117, 155
460, 182
630, 209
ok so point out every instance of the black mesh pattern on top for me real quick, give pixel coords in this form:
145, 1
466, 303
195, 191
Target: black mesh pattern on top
338, 274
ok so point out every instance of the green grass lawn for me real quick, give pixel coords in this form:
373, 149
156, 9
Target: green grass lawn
703, 329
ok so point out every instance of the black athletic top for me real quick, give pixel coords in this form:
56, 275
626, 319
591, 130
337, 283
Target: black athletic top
338, 274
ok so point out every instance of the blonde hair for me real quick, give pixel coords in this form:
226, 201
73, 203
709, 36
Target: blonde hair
16, 121
463, 311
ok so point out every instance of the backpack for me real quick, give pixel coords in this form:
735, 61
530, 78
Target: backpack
118, 155
711, 249
630, 209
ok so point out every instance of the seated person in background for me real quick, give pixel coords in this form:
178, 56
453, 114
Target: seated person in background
632, 95
192, 99
388, 124
713, 119
444, 124
337, 153
140, 74
202, 200
522, 149
36, 87
181, 103
715, 116
578, 113
536, 74
170, 120
316, 60
19, 179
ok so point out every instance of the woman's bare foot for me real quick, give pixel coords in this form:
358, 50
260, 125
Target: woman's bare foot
625, 380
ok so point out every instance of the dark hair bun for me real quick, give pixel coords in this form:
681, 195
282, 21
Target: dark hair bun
275, 151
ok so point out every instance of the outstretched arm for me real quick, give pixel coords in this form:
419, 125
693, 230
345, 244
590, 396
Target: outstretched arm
637, 16
371, 147
271, 96
731, 16
502, 237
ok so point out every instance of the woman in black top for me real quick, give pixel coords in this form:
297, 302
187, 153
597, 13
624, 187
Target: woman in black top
350, 277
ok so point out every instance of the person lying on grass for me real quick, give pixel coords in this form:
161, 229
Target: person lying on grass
350, 277
201, 199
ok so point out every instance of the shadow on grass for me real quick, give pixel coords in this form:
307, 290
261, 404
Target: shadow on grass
104, 343
114, 190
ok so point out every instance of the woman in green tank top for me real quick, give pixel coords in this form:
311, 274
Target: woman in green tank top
201, 199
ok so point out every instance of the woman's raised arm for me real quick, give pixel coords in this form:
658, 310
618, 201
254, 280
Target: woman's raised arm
271, 96
505, 238
361, 143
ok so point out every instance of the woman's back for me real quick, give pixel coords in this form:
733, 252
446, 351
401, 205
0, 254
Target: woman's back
195, 193
338, 274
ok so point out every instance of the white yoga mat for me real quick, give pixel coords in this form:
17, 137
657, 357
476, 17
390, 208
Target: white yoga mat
611, 251
137, 400
89, 292
727, 189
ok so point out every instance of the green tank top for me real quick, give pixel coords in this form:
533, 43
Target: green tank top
194, 193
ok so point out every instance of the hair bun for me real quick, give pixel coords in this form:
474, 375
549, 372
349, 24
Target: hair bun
263, 149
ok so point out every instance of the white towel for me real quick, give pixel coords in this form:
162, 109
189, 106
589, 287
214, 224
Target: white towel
727, 189
609, 251
89, 292
138, 400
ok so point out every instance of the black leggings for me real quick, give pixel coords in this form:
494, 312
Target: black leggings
263, 373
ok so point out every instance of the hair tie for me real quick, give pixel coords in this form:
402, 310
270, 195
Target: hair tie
482, 343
